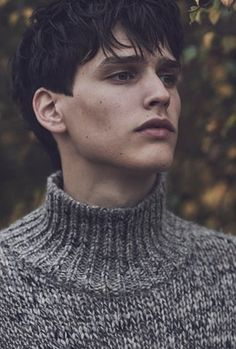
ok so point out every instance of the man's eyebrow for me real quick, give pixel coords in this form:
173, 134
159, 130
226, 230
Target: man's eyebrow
169, 63
162, 63
122, 60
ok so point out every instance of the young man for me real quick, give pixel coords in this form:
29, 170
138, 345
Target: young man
103, 263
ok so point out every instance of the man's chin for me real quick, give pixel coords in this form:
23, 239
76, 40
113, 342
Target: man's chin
154, 168
162, 165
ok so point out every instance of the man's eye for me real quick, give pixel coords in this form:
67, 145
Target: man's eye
169, 80
123, 76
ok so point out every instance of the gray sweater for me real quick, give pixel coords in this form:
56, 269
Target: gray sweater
77, 276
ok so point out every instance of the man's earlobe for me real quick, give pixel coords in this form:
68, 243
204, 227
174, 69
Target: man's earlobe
47, 114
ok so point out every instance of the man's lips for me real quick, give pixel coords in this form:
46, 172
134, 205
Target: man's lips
156, 123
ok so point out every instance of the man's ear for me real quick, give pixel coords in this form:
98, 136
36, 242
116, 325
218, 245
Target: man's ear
45, 109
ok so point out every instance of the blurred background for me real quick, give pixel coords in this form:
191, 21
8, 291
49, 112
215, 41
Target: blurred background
202, 184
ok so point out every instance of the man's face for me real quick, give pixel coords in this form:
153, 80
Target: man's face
111, 99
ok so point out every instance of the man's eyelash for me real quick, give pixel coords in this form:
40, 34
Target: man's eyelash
169, 79
125, 74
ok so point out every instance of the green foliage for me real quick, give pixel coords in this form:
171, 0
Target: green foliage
206, 155
213, 9
202, 180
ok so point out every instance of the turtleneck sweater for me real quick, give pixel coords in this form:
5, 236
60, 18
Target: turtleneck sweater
79, 276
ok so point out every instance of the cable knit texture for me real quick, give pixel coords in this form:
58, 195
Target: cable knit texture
74, 276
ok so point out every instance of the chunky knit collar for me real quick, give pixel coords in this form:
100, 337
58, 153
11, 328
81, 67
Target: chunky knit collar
101, 248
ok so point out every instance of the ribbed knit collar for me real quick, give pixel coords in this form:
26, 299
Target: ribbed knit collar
102, 248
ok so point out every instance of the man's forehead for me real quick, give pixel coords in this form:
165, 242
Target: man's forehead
129, 51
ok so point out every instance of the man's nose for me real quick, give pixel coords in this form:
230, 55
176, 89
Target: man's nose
157, 95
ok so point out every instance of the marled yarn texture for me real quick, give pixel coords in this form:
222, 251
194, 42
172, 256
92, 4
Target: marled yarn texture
75, 276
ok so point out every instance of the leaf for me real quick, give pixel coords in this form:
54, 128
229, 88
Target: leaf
214, 16
190, 53
227, 3
195, 15
3, 2
208, 39
231, 154
230, 124
212, 198
193, 8
13, 18
229, 43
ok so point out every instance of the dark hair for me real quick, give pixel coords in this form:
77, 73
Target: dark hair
67, 33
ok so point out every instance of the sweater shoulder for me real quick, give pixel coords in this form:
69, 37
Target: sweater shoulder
16, 232
206, 244
198, 232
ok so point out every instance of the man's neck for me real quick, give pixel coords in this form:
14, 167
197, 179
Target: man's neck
108, 188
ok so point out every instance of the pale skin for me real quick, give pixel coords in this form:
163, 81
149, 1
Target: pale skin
105, 162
